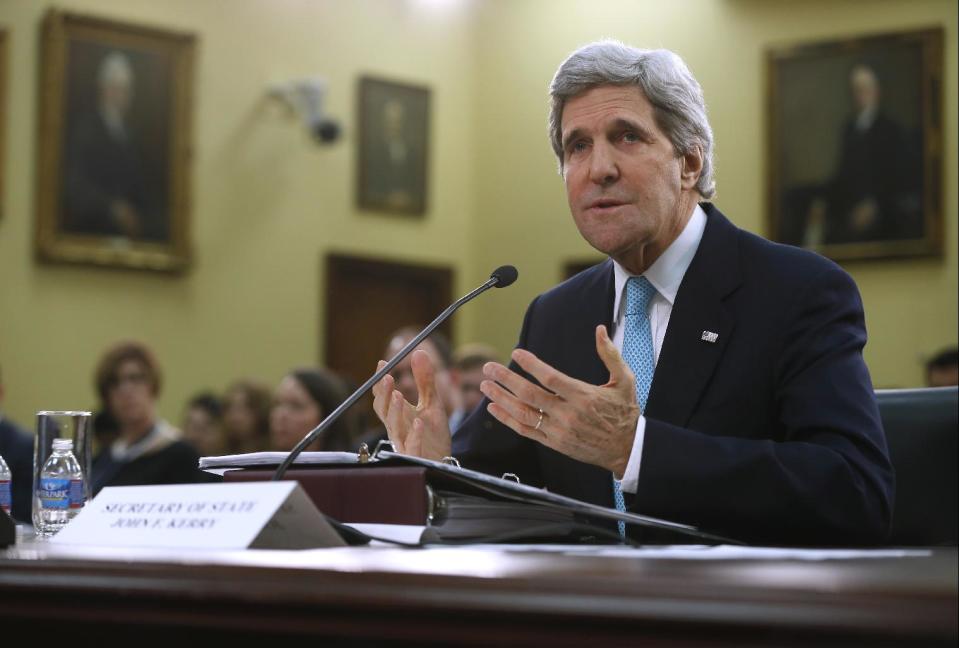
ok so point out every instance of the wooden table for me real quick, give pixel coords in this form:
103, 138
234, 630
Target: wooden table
478, 596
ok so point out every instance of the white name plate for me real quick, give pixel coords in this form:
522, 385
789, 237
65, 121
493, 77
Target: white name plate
256, 515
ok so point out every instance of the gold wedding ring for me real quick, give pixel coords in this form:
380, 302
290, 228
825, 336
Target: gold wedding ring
540, 421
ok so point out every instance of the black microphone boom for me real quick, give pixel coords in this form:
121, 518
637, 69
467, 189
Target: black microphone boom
500, 278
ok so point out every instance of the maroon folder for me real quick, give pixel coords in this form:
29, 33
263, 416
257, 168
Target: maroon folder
382, 495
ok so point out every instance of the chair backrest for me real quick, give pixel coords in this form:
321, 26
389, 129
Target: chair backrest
922, 426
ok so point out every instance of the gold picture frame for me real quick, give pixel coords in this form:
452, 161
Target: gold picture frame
856, 145
394, 124
115, 141
4, 58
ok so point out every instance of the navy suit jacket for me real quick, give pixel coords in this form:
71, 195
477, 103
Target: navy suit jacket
770, 434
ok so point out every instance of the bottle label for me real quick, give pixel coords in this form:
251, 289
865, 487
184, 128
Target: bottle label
54, 493
76, 494
5, 501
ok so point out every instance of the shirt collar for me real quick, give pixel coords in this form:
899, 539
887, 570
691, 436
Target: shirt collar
120, 450
667, 272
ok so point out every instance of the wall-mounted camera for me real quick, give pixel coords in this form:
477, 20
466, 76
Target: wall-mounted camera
306, 98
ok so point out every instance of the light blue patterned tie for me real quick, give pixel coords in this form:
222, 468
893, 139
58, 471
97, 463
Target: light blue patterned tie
638, 353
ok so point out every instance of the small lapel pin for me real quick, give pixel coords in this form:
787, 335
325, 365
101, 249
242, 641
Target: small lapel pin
709, 336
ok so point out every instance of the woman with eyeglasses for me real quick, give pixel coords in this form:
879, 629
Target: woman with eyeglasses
145, 449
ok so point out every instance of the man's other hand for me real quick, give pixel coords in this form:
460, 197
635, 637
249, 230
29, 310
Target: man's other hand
422, 430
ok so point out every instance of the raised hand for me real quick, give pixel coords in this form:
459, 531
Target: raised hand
588, 423
421, 430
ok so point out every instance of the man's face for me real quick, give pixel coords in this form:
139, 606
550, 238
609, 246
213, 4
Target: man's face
469, 381
117, 94
624, 181
865, 88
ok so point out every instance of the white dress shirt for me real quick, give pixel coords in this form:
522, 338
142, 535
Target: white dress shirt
666, 274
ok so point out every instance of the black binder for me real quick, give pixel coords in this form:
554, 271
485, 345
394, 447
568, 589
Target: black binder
476, 507
462, 505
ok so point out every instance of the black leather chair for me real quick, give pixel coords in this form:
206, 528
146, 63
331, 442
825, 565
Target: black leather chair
922, 426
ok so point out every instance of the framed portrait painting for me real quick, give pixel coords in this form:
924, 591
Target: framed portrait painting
114, 144
856, 145
3, 115
393, 145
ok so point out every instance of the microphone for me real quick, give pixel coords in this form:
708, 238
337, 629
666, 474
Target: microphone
504, 276
500, 278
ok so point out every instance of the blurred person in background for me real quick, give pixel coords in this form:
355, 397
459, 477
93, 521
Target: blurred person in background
467, 372
942, 370
147, 450
437, 347
203, 424
246, 416
16, 448
301, 400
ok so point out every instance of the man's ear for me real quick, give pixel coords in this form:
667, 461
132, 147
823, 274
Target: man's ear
692, 167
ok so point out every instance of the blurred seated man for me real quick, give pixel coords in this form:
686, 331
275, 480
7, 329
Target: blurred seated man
16, 448
467, 372
203, 424
147, 449
942, 370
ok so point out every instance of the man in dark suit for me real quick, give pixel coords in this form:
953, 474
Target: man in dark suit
710, 376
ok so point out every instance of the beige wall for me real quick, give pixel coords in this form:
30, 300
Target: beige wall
268, 204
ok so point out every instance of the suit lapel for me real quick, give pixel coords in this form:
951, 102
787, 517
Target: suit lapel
595, 303
594, 306
687, 361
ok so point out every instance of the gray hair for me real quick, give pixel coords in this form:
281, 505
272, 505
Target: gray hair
661, 76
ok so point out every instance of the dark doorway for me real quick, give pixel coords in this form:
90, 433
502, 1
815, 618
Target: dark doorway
368, 299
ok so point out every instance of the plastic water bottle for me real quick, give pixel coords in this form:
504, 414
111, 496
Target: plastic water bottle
5, 497
61, 488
